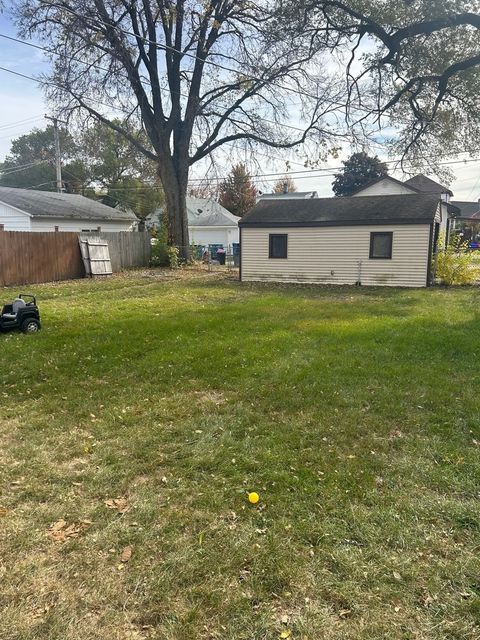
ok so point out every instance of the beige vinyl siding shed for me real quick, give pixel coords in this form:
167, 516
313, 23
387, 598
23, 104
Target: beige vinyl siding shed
329, 241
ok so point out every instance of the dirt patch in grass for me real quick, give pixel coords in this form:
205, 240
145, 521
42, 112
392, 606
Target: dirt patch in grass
210, 396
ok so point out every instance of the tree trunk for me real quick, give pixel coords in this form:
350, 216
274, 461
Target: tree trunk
175, 189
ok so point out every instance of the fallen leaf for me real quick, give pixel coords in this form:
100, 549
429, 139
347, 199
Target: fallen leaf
427, 600
126, 554
3, 511
61, 531
286, 634
120, 504
56, 526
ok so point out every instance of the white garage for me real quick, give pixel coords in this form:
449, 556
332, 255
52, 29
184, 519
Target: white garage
208, 223
30, 210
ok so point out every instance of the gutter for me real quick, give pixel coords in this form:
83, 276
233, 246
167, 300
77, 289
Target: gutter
335, 223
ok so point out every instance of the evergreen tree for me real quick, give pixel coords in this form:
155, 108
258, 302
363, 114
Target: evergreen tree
237, 193
358, 171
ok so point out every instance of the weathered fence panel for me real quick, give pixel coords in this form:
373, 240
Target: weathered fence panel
30, 257
33, 257
127, 249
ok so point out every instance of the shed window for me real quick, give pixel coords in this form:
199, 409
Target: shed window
277, 245
381, 245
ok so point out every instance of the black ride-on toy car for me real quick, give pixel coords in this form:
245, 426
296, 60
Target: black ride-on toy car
21, 314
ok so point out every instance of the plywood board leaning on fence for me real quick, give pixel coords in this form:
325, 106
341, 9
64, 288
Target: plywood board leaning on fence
96, 256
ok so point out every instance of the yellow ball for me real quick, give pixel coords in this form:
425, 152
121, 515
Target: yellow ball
253, 497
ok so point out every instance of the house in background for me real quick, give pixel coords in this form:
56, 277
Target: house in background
209, 224
29, 210
467, 223
467, 209
374, 240
386, 186
418, 184
424, 184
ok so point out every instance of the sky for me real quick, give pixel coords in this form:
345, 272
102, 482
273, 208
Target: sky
23, 107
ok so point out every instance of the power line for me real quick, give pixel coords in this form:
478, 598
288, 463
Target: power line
16, 134
42, 184
314, 174
268, 177
59, 86
95, 66
19, 122
328, 169
22, 168
205, 60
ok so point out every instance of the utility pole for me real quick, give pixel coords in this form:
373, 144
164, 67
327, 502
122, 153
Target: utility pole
58, 162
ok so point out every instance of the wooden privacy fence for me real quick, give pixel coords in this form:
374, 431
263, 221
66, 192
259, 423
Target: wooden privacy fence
32, 257
127, 248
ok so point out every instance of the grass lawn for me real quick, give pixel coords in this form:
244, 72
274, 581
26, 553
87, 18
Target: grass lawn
133, 426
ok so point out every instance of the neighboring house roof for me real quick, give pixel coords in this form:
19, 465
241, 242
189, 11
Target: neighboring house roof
203, 212
65, 206
289, 195
426, 185
467, 209
391, 209
372, 182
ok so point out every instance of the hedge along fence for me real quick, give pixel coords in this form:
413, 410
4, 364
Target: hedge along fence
33, 257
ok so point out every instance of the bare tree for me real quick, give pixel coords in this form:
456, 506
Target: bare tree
197, 75
414, 61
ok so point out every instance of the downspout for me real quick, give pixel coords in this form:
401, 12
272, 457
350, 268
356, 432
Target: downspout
430, 271
240, 257
447, 232
358, 283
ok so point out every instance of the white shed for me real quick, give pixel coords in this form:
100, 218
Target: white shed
30, 210
374, 240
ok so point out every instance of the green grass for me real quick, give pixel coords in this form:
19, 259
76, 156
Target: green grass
353, 412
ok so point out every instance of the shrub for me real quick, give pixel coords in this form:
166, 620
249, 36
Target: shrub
172, 253
164, 255
456, 265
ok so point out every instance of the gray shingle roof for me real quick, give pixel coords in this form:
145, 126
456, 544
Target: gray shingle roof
66, 206
467, 209
203, 212
427, 185
394, 209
